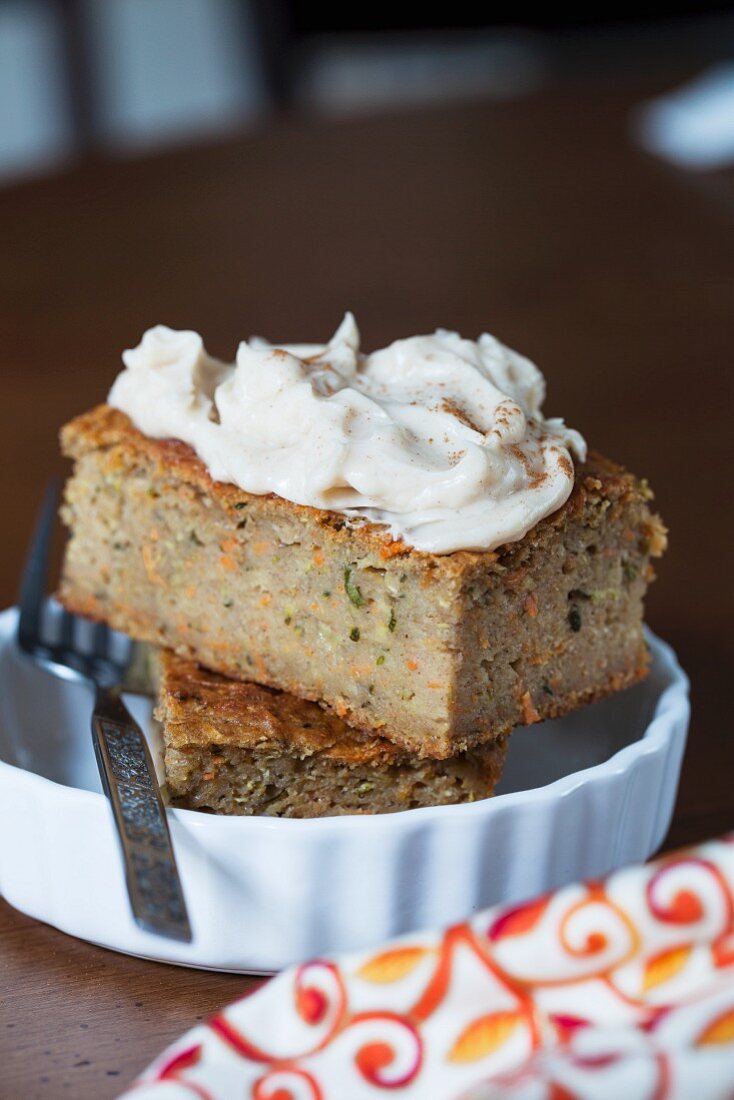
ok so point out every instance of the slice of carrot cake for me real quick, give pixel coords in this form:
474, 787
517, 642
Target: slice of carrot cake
238, 748
401, 537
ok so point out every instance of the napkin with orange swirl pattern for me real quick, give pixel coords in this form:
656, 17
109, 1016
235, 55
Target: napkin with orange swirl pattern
621, 988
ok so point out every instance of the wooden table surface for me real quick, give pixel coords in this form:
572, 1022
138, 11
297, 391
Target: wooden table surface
537, 219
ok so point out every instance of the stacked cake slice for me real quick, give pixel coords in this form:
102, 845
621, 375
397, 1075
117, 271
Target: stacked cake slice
313, 665
236, 747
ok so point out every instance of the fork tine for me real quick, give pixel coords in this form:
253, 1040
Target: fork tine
33, 583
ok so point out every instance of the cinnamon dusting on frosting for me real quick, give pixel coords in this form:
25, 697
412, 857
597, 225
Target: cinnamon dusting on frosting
440, 439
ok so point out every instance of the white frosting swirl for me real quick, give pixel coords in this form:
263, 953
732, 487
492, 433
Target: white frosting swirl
439, 438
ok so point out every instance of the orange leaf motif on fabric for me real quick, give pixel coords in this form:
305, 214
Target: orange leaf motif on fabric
517, 921
484, 1036
391, 966
720, 1031
661, 968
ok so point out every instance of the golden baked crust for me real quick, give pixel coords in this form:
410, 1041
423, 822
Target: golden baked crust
238, 748
104, 427
197, 706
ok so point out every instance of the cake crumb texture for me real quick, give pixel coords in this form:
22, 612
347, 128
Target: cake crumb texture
437, 653
233, 747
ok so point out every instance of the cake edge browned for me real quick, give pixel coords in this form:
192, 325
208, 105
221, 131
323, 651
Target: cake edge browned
240, 748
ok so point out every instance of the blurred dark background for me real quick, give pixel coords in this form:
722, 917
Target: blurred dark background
80, 76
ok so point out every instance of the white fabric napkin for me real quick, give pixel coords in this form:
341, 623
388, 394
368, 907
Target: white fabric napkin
602, 990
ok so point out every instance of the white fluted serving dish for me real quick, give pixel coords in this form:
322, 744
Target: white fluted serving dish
579, 797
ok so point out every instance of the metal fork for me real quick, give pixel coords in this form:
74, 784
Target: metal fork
124, 760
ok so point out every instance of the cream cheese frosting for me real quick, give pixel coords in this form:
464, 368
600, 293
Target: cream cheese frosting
439, 438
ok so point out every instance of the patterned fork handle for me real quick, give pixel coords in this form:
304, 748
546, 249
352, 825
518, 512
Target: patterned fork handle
129, 780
